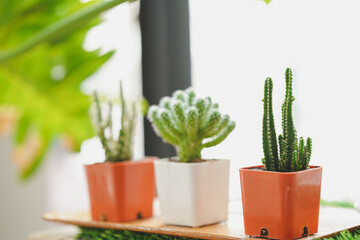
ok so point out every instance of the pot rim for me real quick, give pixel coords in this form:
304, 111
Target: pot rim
251, 169
187, 163
127, 162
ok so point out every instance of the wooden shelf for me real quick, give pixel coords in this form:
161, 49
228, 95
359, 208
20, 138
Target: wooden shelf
331, 220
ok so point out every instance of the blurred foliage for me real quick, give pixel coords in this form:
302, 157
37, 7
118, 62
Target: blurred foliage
346, 235
113, 234
42, 80
42, 65
343, 204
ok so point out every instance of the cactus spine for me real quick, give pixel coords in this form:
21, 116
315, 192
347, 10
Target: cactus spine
120, 148
294, 154
189, 123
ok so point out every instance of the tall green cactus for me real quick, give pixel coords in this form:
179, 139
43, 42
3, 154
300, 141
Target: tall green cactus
270, 148
294, 154
120, 148
189, 123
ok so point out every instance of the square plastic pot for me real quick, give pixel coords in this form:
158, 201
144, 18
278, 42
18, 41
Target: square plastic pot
280, 205
121, 191
193, 194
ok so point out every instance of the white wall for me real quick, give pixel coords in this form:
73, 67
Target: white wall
21, 204
236, 44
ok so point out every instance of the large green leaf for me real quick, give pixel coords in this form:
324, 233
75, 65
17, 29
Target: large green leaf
42, 79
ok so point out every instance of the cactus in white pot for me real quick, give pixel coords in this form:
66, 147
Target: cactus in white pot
192, 191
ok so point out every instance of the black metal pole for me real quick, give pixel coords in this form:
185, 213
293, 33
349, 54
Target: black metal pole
166, 63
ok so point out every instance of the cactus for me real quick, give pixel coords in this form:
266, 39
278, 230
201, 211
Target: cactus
120, 148
294, 154
189, 123
270, 148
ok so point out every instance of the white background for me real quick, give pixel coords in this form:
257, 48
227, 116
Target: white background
236, 44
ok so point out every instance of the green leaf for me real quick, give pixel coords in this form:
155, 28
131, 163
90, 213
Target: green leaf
22, 128
343, 204
144, 106
61, 28
43, 81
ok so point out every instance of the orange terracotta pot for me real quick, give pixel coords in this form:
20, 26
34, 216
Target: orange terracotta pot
121, 191
280, 205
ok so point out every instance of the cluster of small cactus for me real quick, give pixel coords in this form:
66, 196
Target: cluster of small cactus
189, 123
294, 154
118, 148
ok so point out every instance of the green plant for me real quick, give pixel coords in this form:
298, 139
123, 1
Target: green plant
342, 204
120, 148
186, 121
42, 66
346, 235
113, 234
294, 154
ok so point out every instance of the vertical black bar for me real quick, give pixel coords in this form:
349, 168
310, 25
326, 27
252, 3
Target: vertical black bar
166, 64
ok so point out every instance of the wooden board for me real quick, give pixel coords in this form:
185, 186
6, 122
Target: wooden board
331, 220
62, 233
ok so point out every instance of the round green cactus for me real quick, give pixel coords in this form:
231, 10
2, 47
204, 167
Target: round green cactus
189, 123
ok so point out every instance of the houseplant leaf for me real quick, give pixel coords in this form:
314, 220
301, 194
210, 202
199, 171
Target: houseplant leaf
43, 82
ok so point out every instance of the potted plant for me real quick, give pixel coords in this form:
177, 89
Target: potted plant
192, 191
281, 198
120, 189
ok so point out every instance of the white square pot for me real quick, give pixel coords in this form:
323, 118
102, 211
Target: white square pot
193, 194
